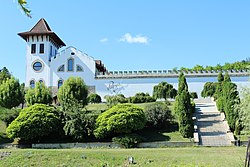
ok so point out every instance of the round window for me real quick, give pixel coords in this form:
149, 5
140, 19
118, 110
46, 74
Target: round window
37, 66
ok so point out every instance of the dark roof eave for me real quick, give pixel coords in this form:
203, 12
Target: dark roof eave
24, 35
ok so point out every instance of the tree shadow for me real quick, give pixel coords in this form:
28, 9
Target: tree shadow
153, 135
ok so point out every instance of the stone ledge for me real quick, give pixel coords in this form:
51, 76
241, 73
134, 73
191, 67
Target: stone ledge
111, 145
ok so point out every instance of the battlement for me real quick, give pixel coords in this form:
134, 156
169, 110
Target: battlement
168, 74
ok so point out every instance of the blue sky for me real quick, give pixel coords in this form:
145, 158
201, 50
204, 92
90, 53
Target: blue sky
134, 34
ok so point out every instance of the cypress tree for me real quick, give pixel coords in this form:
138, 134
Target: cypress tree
220, 77
183, 108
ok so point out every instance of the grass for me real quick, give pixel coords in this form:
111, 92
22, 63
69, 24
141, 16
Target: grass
179, 156
170, 134
97, 107
244, 137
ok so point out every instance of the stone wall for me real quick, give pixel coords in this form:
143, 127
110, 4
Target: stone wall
159, 144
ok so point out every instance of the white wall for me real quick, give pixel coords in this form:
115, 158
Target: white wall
43, 58
86, 62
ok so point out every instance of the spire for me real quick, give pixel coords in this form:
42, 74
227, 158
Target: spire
42, 28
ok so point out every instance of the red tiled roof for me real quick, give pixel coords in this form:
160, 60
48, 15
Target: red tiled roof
42, 28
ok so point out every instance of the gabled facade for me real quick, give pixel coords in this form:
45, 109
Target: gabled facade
45, 64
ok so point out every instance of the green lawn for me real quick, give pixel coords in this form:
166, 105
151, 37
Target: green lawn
97, 107
188, 156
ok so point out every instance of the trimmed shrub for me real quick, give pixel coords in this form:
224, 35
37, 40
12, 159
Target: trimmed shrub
35, 122
128, 140
158, 115
120, 119
94, 98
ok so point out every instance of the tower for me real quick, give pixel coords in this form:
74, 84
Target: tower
42, 45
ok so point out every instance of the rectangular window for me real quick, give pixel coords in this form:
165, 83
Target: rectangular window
42, 48
50, 51
33, 48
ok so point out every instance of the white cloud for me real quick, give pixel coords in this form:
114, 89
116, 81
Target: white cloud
103, 40
136, 39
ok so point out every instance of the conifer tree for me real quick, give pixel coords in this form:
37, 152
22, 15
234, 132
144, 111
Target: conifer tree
182, 108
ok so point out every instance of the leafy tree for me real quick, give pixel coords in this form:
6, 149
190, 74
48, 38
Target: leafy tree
10, 93
120, 119
164, 90
35, 122
193, 95
8, 115
141, 98
198, 68
73, 89
158, 115
209, 68
4, 75
218, 67
39, 94
94, 98
72, 96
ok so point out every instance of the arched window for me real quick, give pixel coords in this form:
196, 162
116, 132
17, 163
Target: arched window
60, 83
71, 64
41, 81
32, 83
61, 68
79, 68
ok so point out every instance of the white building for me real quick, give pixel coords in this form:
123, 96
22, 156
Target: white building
45, 64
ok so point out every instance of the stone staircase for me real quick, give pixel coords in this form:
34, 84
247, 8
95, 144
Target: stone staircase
211, 126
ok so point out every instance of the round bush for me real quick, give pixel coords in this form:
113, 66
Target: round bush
122, 118
35, 122
158, 115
